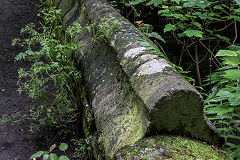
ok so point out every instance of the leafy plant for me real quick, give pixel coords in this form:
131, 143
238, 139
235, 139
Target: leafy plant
52, 78
223, 103
202, 28
195, 23
83, 147
6, 120
48, 155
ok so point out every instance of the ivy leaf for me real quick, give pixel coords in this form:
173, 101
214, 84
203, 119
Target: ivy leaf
169, 27
193, 33
63, 146
223, 53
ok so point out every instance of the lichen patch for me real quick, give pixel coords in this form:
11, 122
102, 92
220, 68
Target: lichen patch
134, 52
152, 67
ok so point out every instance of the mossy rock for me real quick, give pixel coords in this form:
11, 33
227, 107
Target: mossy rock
170, 148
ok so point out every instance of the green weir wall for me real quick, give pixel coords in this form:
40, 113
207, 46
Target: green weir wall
132, 93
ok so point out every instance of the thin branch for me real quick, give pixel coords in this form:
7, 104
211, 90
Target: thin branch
203, 58
210, 52
161, 48
224, 27
236, 32
191, 56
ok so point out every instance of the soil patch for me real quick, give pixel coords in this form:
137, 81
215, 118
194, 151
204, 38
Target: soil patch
16, 142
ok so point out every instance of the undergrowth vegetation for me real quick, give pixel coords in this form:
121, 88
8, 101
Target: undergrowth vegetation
52, 81
207, 33
199, 27
51, 78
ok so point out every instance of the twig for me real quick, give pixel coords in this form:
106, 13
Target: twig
191, 56
224, 27
161, 48
197, 65
236, 33
210, 53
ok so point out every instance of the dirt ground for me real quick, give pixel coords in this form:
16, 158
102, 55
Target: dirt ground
16, 142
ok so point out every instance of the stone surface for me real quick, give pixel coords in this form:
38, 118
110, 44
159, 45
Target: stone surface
169, 147
132, 92
66, 6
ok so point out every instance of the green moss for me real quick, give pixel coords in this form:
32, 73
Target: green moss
171, 148
125, 129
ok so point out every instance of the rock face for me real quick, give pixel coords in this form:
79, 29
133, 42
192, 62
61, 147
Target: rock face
132, 93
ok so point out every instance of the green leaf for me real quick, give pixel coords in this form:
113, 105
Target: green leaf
197, 25
37, 155
237, 18
193, 33
155, 2
189, 4
222, 53
236, 153
202, 4
169, 27
177, 16
53, 156
157, 36
20, 56
63, 146
45, 156
233, 61
222, 37
232, 74
63, 158
218, 7
237, 1
237, 10
223, 93
234, 47
221, 109
234, 99
135, 2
